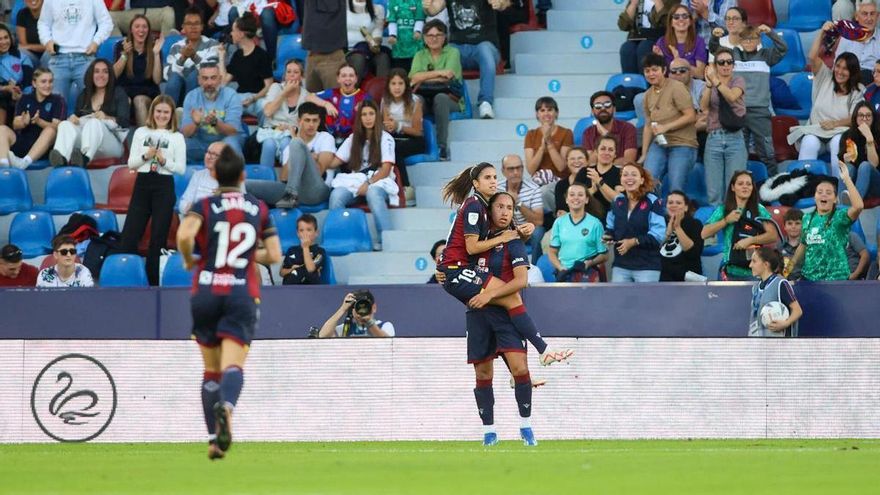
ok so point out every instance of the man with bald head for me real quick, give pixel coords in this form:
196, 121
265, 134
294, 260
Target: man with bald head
202, 184
528, 206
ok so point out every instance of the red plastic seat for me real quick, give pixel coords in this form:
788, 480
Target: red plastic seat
781, 126
760, 12
475, 73
778, 214
99, 163
375, 87
120, 190
531, 25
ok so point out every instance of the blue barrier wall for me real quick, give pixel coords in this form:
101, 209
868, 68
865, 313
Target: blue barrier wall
832, 309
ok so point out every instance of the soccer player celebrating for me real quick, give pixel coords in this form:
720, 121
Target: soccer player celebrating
226, 288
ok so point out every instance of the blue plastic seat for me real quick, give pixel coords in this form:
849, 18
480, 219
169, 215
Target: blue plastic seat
123, 270
695, 187
39, 165
32, 231
801, 86
468, 111
105, 219
432, 149
170, 39
105, 51
314, 208
68, 189
627, 81
702, 214
794, 59
285, 224
870, 242
815, 167
579, 129
758, 170
13, 16
15, 194
174, 274
328, 276
807, 15
547, 270
289, 46
181, 181
259, 172
346, 231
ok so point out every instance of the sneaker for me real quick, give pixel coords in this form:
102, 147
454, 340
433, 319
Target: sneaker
214, 452
550, 356
410, 193
528, 437
79, 159
56, 159
490, 439
444, 154
486, 111
287, 201
536, 382
223, 416
16, 161
377, 246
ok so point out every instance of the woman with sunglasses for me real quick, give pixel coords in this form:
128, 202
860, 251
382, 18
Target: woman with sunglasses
66, 272
681, 41
860, 152
725, 147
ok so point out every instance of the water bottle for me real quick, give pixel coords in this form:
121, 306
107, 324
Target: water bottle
659, 138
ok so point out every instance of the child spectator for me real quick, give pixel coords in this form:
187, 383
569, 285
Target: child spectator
365, 21
576, 249
859, 150
341, 103
683, 244
250, 67
644, 28
681, 41
792, 228
13, 66
66, 272
547, 145
138, 66
725, 147
753, 64
37, 116
303, 264
402, 118
766, 265
406, 18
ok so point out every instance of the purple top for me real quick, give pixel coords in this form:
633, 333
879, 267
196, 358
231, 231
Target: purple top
698, 54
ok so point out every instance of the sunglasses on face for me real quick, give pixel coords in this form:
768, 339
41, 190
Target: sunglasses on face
679, 70
66, 252
726, 61
680, 17
603, 105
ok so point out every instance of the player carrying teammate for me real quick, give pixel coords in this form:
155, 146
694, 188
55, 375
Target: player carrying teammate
226, 288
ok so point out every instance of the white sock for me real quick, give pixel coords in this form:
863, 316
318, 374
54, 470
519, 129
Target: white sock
4, 162
525, 422
212, 437
27, 159
488, 428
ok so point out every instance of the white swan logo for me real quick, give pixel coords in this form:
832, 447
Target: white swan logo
73, 398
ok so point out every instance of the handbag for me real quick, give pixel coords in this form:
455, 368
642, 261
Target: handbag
428, 90
730, 121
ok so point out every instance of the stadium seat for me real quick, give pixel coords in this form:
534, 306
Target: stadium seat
119, 191
702, 214
13, 16
170, 39
328, 276
794, 60
68, 189
579, 129
32, 231
531, 25
123, 270
814, 167
758, 170
170, 241
778, 215
432, 149
105, 51
627, 81
375, 87
174, 274
259, 172
468, 111
289, 46
346, 231
807, 15
15, 194
760, 11
105, 219
39, 165
781, 125
547, 270
285, 223
801, 85
695, 187
314, 208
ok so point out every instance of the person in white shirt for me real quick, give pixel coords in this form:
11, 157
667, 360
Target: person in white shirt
66, 272
280, 112
202, 184
368, 156
72, 31
308, 157
157, 152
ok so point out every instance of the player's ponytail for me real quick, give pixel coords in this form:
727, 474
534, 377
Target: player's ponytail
457, 190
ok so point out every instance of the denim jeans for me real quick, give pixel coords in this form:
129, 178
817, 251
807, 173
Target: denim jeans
197, 145
69, 70
484, 56
178, 86
725, 154
271, 148
632, 53
377, 200
620, 275
269, 25
867, 180
670, 164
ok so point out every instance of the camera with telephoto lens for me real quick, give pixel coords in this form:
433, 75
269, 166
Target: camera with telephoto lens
363, 303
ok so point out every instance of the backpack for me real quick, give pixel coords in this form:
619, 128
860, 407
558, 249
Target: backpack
624, 97
99, 248
745, 227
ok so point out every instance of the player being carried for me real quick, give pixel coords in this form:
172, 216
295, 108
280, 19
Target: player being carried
226, 288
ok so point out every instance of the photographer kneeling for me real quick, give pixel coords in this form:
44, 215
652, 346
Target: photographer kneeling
357, 315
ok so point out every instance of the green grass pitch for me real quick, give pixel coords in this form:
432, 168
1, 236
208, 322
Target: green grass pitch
777, 467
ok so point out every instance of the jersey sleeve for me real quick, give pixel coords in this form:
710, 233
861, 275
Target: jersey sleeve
786, 293
555, 241
473, 218
517, 251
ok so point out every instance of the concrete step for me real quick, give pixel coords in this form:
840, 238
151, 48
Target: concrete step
388, 279
586, 40
591, 5
562, 85
569, 20
570, 107
412, 240
382, 264
486, 151
434, 173
568, 63
421, 218
429, 196
496, 129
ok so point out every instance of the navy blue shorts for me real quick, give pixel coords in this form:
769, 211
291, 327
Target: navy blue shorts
489, 333
465, 282
223, 317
